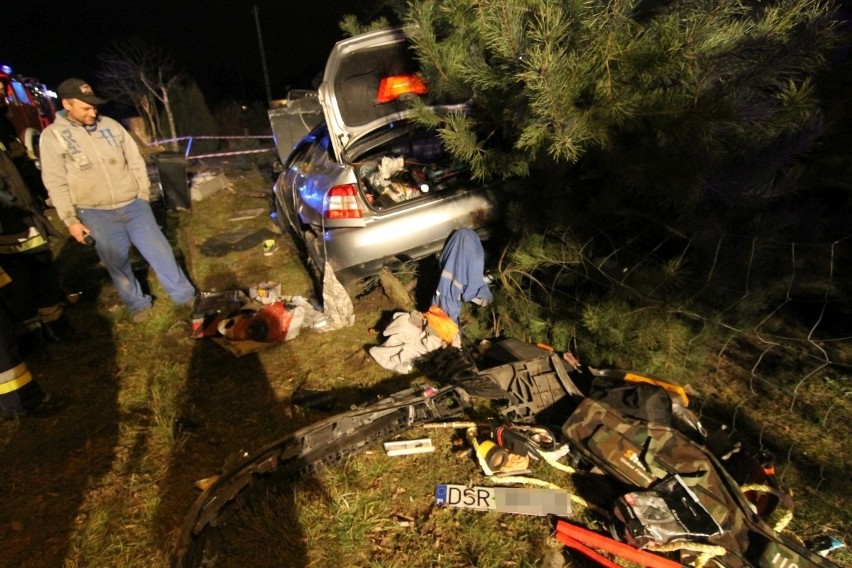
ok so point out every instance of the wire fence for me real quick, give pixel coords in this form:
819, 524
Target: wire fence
820, 395
782, 371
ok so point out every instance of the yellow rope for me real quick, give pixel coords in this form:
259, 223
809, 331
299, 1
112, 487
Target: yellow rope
778, 520
707, 551
525, 480
549, 459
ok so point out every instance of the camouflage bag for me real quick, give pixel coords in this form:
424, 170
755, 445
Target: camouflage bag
642, 454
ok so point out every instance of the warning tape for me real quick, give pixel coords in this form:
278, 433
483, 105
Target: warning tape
191, 139
181, 138
234, 153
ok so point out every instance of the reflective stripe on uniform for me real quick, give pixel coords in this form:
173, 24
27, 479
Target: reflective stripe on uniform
28, 325
15, 378
21, 243
4, 278
50, 313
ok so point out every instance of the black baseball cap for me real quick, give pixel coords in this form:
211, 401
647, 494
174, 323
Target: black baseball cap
74, 88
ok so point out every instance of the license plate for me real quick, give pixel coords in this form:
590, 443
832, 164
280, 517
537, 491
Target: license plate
518, 500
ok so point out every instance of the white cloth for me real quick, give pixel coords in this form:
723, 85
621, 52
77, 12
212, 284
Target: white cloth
336, 303
406, 340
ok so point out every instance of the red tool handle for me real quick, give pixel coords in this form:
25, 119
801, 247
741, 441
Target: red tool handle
595, 540
585, 550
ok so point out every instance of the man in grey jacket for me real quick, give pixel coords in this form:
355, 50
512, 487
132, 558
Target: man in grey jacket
98, 182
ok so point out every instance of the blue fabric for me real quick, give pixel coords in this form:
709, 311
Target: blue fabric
462, 278
114, 231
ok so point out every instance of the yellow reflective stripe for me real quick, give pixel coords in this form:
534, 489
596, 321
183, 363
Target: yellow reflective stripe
30, 324
18, 377
50, 313
14, 372
634, 378
21, 246
4, 278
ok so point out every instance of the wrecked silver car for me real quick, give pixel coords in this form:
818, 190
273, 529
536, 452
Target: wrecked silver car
366, 187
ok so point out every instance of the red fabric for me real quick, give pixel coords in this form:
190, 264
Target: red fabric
277, 318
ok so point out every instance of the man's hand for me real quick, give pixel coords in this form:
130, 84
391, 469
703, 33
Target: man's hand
78, 231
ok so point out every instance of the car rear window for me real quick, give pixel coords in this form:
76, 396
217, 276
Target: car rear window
409, 167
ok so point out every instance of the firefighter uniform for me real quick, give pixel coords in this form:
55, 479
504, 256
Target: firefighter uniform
20, 394
35, 303
18, 152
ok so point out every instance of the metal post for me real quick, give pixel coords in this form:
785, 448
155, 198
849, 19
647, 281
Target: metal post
263, 58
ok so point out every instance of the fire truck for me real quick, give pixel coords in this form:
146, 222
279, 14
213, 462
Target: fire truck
29, 106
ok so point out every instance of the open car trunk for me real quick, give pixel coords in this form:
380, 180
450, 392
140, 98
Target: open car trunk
349, 93
410, 166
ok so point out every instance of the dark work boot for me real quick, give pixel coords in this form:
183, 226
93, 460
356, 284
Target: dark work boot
31, 342
61, 330
29, 400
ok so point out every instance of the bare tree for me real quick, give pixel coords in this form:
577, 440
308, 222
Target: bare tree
141, 75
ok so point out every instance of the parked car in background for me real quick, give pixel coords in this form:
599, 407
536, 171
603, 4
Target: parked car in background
366, 187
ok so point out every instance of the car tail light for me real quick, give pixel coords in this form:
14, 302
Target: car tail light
341, 202
394, 87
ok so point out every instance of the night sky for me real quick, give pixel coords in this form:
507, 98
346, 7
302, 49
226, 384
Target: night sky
213, 41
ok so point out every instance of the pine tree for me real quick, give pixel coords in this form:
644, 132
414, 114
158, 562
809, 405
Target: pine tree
558, 78
633, 132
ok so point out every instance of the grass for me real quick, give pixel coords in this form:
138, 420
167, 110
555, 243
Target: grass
376, 511
107, 482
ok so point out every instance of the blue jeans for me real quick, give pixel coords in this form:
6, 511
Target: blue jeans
114, 231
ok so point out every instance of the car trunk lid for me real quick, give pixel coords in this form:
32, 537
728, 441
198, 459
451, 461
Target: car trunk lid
353, 86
